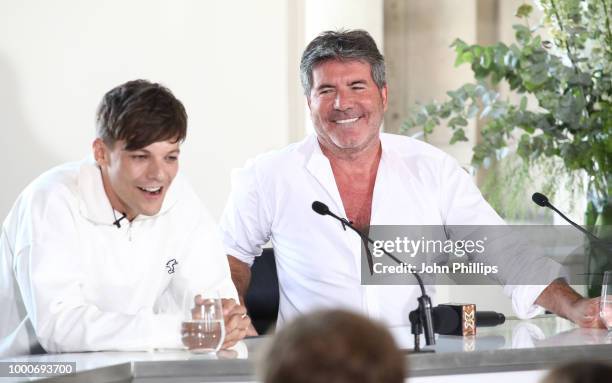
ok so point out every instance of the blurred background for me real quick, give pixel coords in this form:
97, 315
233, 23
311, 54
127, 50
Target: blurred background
234, 64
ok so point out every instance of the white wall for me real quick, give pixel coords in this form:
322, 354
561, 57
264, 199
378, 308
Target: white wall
322, 15
226, 60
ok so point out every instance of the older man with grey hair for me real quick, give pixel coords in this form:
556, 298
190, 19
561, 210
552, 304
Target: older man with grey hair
369, 177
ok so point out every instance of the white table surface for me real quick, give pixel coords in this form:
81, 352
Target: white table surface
516, 348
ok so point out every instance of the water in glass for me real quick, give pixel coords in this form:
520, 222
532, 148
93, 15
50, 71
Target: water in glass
203, 329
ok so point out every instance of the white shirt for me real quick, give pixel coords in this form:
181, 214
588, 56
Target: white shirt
72, 281
318, 263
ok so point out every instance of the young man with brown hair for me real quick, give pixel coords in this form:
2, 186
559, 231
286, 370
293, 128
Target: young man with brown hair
95, 255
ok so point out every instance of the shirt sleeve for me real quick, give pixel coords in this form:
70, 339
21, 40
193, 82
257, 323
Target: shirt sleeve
463, 204
246, 222
48, 270
461, 201
205, 268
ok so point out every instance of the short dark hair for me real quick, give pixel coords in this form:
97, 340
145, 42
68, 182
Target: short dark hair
332, 346
141, 113
342, 45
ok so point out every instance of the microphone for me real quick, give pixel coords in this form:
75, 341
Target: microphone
541, 200
489, 318
118, 220
423, 319
462, 319
321, 208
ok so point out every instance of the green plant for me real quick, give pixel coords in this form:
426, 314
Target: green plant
569, 77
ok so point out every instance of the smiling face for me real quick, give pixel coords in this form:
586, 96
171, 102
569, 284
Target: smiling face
346, 106
136, 181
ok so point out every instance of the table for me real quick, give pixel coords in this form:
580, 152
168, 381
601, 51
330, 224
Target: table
516, 347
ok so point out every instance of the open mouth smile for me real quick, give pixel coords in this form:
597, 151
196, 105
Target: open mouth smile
152, 190
346, 121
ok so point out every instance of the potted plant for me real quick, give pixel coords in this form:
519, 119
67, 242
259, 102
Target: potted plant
569, 131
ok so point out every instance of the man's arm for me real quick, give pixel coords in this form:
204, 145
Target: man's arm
245, 226
466, 204
559, 298
241, 276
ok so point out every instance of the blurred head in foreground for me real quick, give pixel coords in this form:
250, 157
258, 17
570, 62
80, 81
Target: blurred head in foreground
332, 346
580, 372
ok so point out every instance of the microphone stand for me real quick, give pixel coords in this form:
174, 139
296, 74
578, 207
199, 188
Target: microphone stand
541, 200
598, 243
422, 320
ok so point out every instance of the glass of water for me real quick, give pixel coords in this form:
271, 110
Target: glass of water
203, 328
605, 305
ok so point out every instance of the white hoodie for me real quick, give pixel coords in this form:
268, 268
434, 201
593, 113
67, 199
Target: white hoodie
72, 281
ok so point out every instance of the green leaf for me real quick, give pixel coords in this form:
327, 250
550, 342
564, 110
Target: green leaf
421, 118
470, 89
431, 109
523, 149
479, 72
522, 34
497, 111
457, 121
480, 90
486, 58
458, 96
523, 105
445, 111
524, 11
581, 78
429, 127
544, 125
508, 59
458, 135
464, 57
458, 44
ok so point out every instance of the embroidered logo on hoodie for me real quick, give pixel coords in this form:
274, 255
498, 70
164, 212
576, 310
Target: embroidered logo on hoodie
170, 265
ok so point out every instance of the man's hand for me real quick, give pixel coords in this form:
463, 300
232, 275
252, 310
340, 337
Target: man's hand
237, 323
585, 313
561, 299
